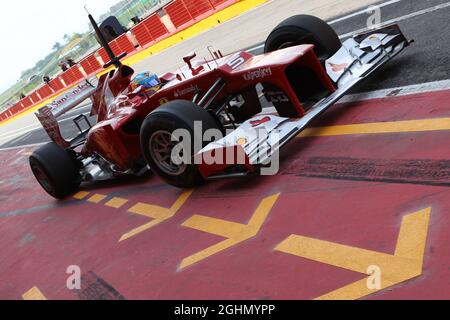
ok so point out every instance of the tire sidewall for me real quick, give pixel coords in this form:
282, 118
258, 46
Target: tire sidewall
296, 27
162, 121
59, 168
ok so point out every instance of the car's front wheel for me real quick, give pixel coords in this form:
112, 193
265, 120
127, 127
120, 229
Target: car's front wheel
158, 141
304, 29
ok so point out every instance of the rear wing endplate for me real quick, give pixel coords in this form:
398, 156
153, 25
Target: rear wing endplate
49, 114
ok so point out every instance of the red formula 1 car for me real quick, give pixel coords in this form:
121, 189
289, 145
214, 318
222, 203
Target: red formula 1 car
206, 120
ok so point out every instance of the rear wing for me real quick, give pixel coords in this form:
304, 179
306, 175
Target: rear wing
49, 114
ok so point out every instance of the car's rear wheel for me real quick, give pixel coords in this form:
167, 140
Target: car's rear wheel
157, 135
56, 170
304, 29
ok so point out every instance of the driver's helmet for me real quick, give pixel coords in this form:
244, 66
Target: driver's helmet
147, 80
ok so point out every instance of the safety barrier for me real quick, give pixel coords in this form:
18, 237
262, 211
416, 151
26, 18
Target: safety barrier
90, 64
143, 36
26, 102
72, 76
199, 7
124, 44
150, 30
14, 109
180, 13
103, 55
217, 3
45, 91
35, 97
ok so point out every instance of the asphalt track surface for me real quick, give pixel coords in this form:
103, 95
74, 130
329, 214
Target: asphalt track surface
427, 60
365, 188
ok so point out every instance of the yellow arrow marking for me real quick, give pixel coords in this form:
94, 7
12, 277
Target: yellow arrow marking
81, 195
405, 264
33, 294
116, 203
234, 233
158, 214
97, 198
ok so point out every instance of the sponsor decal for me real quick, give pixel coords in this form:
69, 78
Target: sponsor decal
70, 95
338, 67
235, 62
257, 123
276, 97
50, 125
163, 101
258, 74
182, 92
242, 141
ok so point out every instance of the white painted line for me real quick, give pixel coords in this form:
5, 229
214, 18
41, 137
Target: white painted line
355, 14
16, 133
364, 11
258, 47
23, 147
427, 87
396, 20
399, 91
23, 129
36, 126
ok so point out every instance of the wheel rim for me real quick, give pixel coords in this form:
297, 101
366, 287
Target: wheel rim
307, 39
285, 45
42, 178
161, 147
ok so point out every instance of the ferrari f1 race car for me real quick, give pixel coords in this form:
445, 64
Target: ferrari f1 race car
206, 120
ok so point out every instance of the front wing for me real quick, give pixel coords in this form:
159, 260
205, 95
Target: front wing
261, 137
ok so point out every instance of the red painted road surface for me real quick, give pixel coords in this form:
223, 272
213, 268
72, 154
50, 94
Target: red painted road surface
352, 190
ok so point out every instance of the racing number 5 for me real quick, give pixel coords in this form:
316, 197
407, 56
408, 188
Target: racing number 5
236, 62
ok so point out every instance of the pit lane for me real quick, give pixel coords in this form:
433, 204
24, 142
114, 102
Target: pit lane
430, 30
368, 185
